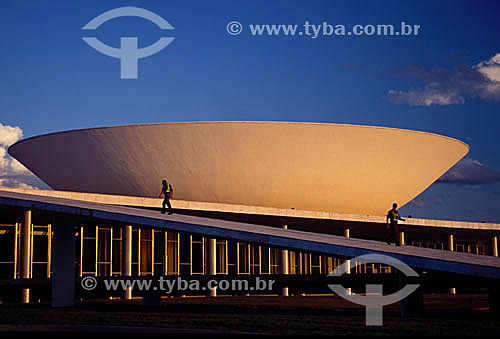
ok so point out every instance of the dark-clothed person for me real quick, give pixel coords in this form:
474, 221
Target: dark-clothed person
166, 191
392, 232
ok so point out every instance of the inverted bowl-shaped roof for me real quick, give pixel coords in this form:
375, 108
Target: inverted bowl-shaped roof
309, 166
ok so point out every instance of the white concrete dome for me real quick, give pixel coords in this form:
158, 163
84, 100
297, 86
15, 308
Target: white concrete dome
309, 166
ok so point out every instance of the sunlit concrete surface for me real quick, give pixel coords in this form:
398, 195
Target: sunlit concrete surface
254, 210
306, 166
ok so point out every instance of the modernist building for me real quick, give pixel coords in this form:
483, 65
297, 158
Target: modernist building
322, 178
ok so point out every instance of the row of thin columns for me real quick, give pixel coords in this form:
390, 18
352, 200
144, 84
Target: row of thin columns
64, 248
451, 243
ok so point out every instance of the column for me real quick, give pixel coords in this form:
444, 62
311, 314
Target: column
212, 261
494, 300
150, 297
347, 234
451, 247
283, 267
63, 261
412, 305
494, 246
26, 254
127, 257
402, 238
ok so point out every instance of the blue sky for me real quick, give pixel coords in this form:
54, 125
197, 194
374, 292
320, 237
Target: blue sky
442, 81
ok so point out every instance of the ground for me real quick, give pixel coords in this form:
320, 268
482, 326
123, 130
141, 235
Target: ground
444, 315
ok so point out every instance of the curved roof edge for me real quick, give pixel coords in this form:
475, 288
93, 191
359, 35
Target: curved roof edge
248, 122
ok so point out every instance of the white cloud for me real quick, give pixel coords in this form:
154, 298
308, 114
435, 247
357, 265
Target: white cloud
447, 87
9, 135
15, 183
470, 172
425, 97
420, 202
490, 68
12, 172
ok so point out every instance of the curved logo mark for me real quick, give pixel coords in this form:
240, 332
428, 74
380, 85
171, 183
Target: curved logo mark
128, 53
374, 300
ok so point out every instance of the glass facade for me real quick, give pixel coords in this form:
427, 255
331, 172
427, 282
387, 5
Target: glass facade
99, 252
9, 239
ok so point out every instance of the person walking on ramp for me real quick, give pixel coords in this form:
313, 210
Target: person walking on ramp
392, 233
166, 191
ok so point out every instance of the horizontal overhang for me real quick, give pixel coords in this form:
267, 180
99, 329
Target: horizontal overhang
142, 202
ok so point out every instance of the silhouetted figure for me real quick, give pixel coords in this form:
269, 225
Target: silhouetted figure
392, 233
166, 191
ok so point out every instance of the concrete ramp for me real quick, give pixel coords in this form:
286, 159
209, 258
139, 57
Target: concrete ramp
430, 259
